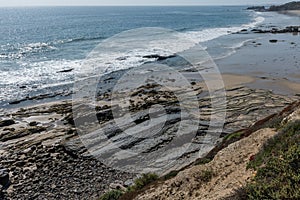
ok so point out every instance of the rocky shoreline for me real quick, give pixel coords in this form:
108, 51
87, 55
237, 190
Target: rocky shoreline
39, 163
45, 158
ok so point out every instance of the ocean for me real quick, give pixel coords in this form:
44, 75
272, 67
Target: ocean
37, 43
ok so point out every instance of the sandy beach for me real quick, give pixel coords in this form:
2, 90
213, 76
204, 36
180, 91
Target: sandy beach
292, 12
273, 66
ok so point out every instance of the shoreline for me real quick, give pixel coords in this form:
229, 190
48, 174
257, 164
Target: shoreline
17, 103
291, 12
49, 129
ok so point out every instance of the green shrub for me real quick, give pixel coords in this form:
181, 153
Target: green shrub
170, 175
236, 135
278, 167
138, 186
112, 195
205, 176
141, 182
277, 145
203, 161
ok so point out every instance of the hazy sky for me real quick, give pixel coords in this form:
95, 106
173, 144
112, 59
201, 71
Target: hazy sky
136, 2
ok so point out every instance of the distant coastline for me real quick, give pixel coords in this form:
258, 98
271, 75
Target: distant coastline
291, 6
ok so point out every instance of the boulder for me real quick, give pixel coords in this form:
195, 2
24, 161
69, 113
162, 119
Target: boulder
6, 122
34, 123
117, 186
129, 183
4, 178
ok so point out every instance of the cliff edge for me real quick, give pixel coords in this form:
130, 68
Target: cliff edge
243, 168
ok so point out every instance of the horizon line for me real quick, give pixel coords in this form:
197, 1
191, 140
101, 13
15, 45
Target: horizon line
133, 5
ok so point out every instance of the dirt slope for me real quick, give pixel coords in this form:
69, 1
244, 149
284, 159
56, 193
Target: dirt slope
227, 171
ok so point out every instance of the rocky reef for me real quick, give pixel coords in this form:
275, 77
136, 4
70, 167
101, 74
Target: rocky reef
44, 157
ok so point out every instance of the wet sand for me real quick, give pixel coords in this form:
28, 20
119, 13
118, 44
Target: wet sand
273, 66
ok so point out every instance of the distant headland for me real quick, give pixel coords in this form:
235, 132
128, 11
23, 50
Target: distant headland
288, 6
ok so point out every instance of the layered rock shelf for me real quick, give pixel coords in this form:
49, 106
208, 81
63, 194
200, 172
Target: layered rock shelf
46, 158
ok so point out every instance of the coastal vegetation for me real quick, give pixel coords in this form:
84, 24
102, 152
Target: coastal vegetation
112, 195
277, 168
131, 191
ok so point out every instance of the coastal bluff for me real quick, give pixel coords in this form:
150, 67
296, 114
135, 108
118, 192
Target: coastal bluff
285, 7
45, 157
229, 172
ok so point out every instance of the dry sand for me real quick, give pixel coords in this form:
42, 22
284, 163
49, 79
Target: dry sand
280, 86
292, 12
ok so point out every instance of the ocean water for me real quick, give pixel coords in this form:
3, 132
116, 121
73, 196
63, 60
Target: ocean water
36, 43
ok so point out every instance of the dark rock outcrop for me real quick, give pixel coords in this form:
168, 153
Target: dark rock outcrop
65, 71
158, 57
288, 6
257, 8
4, 177
7, 122
289, 29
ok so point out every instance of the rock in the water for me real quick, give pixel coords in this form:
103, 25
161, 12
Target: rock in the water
7, 122
65, 71
158, 57
15, 102
4, 177
257, 8
273, 41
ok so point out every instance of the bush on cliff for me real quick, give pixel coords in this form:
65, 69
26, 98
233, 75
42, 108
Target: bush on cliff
112, 195
278, 168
